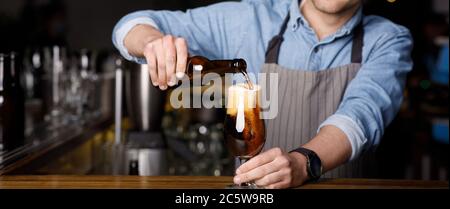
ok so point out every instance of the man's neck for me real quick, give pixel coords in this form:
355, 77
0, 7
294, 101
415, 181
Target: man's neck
325, 24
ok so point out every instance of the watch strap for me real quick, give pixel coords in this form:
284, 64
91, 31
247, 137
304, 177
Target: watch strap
309, 154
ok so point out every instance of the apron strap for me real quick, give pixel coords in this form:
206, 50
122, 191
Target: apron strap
274, 45
357, 46
273, 49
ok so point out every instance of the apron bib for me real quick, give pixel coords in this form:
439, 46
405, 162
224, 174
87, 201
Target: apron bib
307, 98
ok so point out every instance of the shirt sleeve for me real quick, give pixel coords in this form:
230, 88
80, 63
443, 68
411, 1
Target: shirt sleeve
215, 31
373, 97
353, 131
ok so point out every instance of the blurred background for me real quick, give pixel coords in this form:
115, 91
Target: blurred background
70, 77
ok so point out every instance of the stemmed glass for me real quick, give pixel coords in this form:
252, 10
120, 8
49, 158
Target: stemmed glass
244, 129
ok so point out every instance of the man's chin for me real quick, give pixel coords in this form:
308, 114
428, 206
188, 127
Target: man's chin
334, 6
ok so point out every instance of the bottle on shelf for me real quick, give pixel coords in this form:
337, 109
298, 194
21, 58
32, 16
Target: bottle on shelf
12, 103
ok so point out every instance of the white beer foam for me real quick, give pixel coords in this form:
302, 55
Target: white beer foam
250, 97
241, 99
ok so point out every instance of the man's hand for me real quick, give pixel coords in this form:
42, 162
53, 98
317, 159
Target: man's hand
274, 169
166, 58
277, 169
166, 55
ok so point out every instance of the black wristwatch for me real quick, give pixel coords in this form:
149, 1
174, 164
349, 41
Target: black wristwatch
313, 163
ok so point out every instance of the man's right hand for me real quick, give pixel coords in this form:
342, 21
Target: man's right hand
166, 55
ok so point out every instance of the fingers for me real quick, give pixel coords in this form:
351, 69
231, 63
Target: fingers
273, 169
275, 177
166, 58
280, 163
161, 64
257, 173
151, 62
259, 160
170, 59
182, 55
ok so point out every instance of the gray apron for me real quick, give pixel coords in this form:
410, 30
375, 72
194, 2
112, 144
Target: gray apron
307, 98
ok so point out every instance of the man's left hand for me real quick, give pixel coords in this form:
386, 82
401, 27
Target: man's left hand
274, 169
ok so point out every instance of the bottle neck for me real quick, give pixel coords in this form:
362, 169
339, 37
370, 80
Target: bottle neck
235, 65
9, 73
12, 67
2, 70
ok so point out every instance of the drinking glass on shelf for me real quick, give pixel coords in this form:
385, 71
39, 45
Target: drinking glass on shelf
54, 63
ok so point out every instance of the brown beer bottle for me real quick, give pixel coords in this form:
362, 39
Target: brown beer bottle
204, 66
221, 67
12, 103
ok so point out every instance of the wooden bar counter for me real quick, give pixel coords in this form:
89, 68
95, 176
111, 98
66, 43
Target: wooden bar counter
192, 182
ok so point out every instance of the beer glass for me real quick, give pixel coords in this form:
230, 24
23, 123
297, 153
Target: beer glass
244, 128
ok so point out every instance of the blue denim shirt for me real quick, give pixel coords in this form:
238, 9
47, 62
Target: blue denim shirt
243, 29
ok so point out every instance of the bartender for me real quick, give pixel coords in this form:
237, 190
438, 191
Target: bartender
341, 75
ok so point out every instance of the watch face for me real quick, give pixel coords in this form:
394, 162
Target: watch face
316, 166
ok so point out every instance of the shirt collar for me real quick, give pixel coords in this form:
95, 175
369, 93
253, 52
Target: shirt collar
296, 16
348, 27
298, 19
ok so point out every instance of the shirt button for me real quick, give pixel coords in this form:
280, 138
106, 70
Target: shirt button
316, 49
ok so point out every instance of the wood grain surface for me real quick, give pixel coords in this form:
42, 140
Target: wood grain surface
192, 182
